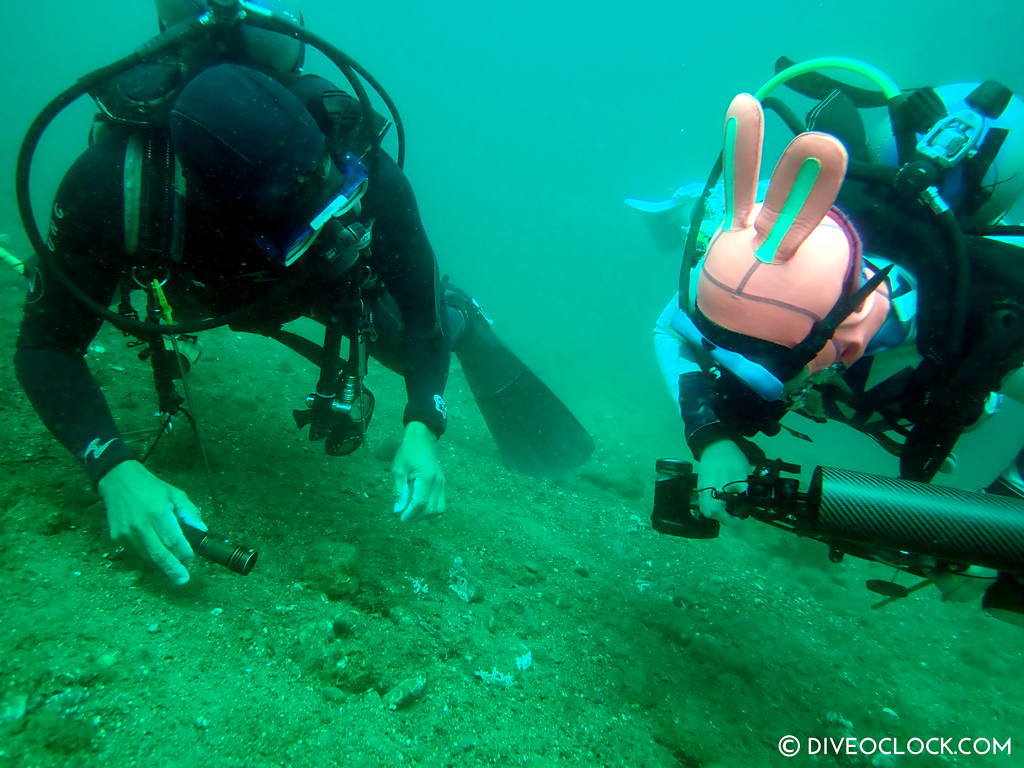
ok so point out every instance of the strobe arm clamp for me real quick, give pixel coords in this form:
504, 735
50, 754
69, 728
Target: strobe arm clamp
769, 497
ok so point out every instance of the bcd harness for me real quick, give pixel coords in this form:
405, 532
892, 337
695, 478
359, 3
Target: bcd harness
136, 102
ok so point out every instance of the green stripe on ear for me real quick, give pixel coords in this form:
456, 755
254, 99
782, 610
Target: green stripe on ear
729, 169
803, 184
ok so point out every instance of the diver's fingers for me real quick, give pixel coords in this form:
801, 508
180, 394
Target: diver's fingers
402, 499
170, 533
722, 511
711, 507
714, 508
435, 502
149, 543
400, 487
186, 511
420, 496
441, 504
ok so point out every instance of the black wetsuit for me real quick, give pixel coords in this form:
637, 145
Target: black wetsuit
221, 270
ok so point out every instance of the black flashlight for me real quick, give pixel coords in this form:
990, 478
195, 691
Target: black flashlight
213, 546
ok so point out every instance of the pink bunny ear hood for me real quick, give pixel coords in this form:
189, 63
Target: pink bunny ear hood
776, 268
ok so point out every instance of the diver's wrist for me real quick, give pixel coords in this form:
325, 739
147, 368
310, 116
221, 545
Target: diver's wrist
420, 431
100, 458
709, 435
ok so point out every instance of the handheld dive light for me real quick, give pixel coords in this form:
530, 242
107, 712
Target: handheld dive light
221, 550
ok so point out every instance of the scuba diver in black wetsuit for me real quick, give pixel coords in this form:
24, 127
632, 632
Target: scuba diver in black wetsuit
233, 190
861, 289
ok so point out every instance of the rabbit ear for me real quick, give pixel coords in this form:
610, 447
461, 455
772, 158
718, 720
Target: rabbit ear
741, 158
803, 188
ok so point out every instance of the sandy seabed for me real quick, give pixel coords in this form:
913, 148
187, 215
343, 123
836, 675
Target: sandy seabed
590, 640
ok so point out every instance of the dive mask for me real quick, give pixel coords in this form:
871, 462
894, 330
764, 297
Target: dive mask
352, 189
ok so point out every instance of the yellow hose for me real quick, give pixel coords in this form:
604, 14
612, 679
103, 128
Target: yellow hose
12, 261
888, 87
161, 300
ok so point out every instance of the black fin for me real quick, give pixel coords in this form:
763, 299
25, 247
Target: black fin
535, 432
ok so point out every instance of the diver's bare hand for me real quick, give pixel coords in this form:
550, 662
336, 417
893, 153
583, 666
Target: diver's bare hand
417, 475
145, 511
721, 464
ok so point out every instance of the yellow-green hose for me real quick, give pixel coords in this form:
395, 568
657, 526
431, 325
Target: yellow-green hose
885, 83
12, 261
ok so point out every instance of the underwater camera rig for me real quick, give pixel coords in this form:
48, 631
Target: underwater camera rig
917, 528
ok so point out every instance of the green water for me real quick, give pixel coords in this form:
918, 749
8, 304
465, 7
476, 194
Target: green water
527, 126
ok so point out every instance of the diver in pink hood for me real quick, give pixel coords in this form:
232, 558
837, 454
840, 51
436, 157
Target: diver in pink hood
859, 255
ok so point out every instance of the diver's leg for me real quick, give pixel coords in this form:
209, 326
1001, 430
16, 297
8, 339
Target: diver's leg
385, 344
